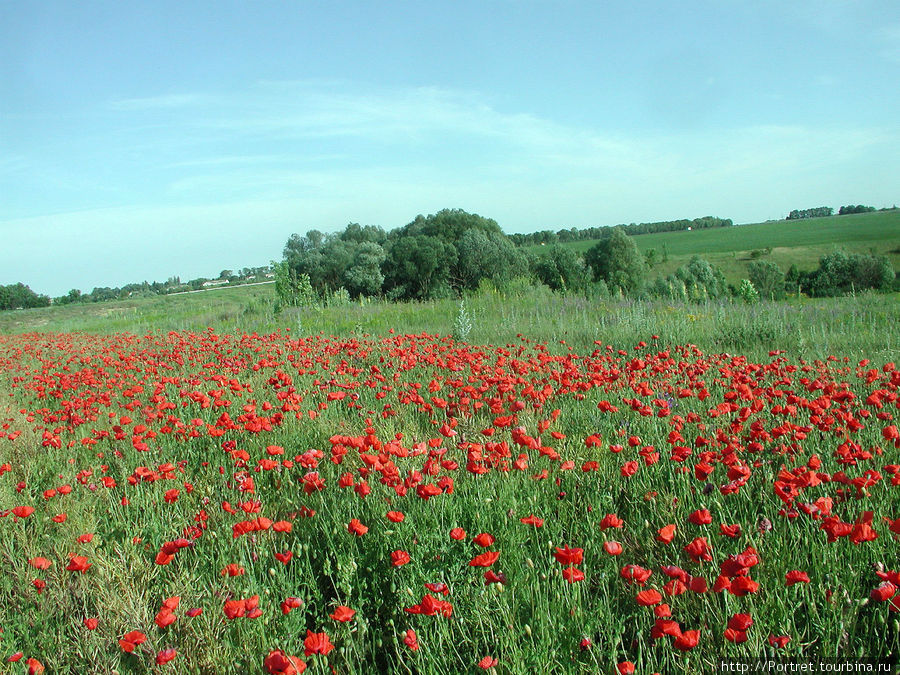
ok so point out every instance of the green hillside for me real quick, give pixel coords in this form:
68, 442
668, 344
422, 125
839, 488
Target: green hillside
797, 242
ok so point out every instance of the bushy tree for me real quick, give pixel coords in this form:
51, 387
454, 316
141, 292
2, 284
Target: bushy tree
840, 273
292, 289
617, 261
20, 296
363, 276
562, 269
487, 256
702, 281
418, 267
767, 278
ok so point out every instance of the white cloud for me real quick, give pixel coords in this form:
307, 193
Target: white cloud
285, 157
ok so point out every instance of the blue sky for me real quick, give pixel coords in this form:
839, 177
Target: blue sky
144, 140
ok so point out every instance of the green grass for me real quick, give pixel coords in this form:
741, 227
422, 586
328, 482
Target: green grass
533, 623
799, 242
812, 328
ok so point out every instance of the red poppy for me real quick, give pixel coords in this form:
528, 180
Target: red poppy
795, 577
569, 556
649, 597
39, 563
539, 522
733, 531
665, 534
131, 640
635, 574
487, 663
357, 528
735, 636
78, 564
290, 603
165, 656
612, 547
611, 520
700, 517
572, 574
741, 586
165, 617
279, 663
91, 623
485, 559
740, 622
396, 516
625, 668
410, 640
22, 511
699, 550
285, 557
342, 614
316, 643
484, 539
457, 533
430, 606
779, 641
399, 558
232, 570
687, 640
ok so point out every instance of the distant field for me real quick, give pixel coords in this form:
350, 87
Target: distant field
798, 242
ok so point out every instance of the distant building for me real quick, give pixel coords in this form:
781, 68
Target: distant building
214, 282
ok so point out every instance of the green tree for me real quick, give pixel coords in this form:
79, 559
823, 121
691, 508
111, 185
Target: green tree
767, 278
561, 268
364, 276
702, 281
487, 256
292, 289
418, 267
617, 261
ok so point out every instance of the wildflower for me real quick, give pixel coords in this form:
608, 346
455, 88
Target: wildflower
316, 643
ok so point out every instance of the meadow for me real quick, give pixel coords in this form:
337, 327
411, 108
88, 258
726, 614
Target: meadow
798, 242
194, 484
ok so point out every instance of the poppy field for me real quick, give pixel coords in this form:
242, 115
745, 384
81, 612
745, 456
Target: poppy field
200, 502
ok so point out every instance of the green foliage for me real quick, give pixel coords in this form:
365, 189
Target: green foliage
418, 267
767, 278
561, 269
487, 256
292, 289
747, 292
590, 233
617, 261
462, 324
20, 296
363, 276
702, 281
840, 273
851, 209
817, 212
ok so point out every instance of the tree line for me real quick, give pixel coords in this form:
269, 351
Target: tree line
452, 252
824, 211
590, 233
20, 296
